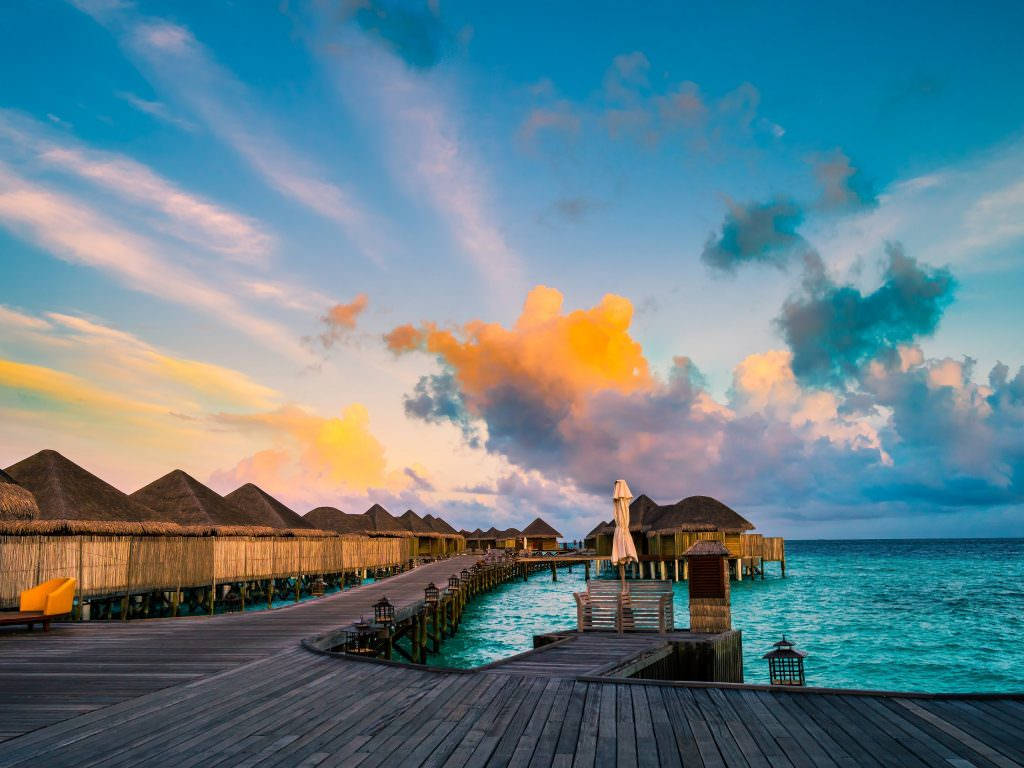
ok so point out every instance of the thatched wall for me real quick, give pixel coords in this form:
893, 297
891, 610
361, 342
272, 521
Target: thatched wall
120, 564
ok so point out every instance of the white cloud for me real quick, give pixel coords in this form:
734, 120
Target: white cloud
75, 231
187, 216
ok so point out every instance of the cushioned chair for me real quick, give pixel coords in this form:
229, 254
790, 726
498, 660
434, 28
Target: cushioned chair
42, 604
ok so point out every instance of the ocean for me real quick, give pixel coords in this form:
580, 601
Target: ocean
931, 615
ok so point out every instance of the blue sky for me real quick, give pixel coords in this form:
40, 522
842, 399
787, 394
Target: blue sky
212, 222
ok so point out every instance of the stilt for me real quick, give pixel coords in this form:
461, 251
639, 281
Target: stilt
586, 571
675, 569
554, 572
663, 567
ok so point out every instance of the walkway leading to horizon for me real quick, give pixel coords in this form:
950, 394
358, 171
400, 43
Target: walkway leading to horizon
238, 689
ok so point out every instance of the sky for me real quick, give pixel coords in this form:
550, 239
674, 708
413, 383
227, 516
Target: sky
481, 260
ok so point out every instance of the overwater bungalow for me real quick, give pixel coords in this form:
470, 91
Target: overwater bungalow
663, 532
65, 491
540, 537
263, 509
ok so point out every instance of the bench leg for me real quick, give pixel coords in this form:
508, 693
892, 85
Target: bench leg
46, 626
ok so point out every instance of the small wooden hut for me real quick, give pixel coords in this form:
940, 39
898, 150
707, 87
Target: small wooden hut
541, 537
16, 503
263, 509
65, 491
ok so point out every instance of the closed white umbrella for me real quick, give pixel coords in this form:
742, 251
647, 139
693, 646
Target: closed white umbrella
623, 549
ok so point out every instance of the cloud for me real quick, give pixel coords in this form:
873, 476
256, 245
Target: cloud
74, 231
558, 119
567, 398
403, 338
341, 319
430, 152
413, 33
156, 109
843, 186
436, 399
312, 458
756, 233
118, 362
184, 71
182, 214
833, 329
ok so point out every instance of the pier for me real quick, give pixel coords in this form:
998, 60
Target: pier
240, 689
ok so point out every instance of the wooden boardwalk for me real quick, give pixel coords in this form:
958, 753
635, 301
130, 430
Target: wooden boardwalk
238, 690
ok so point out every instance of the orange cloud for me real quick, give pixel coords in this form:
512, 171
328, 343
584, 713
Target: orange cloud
314, 453
346, 315
341, 319
404, 338
565, 356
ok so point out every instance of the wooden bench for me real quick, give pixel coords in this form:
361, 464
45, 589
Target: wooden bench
644, 605
42, 604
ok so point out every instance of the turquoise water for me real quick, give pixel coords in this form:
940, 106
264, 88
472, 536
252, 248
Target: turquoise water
921, 615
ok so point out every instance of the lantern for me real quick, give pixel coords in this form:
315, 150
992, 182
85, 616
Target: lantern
383, 611
785, 664
453, 582
431, 594
465, 574
319, 586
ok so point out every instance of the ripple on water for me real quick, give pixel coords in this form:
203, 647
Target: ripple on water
928, 615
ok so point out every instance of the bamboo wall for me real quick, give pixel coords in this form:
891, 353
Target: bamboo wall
117, 565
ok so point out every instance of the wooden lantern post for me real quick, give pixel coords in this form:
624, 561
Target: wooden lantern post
710, 610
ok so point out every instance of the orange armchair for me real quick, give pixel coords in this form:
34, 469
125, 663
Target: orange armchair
53, 598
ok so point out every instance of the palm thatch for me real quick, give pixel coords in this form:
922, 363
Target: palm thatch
705, 547
147, 528
16, 503
439, 525
179, 498
641, 511
65, 491
263, 509
380, 522
697, 510
333, 519
539, 529
418, 525
601, 529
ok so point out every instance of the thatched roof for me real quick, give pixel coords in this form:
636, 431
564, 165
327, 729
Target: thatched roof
65, 491
539, 529
703, 547
641, 511
704, 509
439, 525
333, 519
380, 522
418, 525
695, 513
263, 509
16, 503
147, 528
179, 498
601, 529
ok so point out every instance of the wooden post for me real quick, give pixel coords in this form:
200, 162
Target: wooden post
436, 629
586, 571
663, 568
783, 563
554, 572
675, 568
80, 579
415, 638
127, 581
